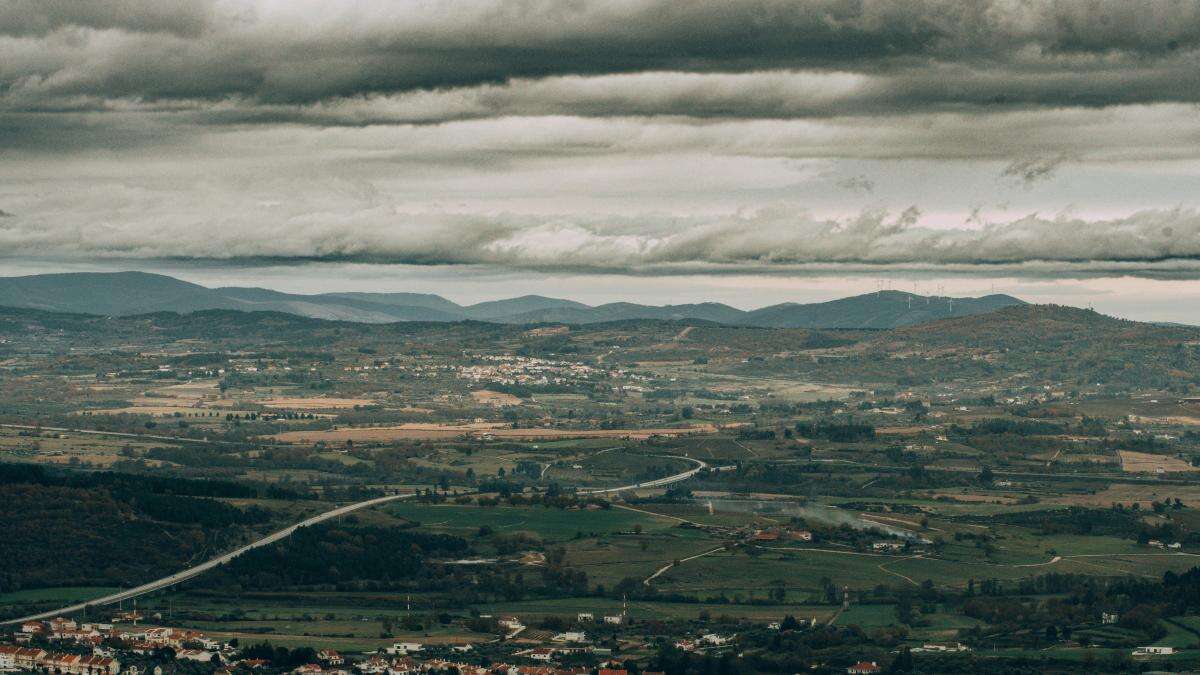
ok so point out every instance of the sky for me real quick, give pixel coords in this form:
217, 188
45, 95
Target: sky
646, 150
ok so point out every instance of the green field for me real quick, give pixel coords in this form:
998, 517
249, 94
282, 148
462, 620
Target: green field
550, 524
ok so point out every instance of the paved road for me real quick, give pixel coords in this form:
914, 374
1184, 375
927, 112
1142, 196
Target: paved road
658, 482
209, 564
660, 571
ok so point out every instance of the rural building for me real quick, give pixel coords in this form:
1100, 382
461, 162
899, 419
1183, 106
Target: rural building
28, 658
198, 655
766, 535
1154, 651
403, 648
330, 657
510, 622
950, 648
8, 657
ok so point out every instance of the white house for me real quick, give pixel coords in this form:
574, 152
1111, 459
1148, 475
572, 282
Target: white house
403, 648
510, 622
8, 657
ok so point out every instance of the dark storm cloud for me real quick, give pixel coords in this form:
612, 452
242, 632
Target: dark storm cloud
246, 129
24, 18
918, 52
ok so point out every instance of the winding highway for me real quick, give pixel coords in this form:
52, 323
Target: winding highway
658, 482
208, 564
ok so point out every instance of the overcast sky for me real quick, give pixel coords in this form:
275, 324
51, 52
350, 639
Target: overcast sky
654, 150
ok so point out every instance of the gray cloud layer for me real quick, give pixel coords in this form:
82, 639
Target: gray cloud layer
236, 129
775, 236
913, 52
121, 73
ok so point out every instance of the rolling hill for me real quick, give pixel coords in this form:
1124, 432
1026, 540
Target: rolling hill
133, 293
1018, 344
885, 309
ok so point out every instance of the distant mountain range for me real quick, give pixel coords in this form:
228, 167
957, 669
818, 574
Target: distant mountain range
132, 293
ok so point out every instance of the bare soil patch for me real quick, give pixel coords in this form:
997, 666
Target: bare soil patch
1144, 462
496, 398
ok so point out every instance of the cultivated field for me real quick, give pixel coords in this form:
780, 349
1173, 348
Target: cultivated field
401, 432
1142, 462
318, 403
497, 398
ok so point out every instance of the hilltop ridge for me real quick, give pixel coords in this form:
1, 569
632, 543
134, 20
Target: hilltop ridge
134, 293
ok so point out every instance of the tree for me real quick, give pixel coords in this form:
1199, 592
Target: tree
903, 663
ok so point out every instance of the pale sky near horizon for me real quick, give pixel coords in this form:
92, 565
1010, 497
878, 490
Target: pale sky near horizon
643, 150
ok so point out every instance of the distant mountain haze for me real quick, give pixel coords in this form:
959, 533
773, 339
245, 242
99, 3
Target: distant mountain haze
132, 293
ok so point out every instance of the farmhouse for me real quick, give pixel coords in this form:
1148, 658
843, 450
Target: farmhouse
330, 657
942, 648
1154, 651
403, 648
198, 655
